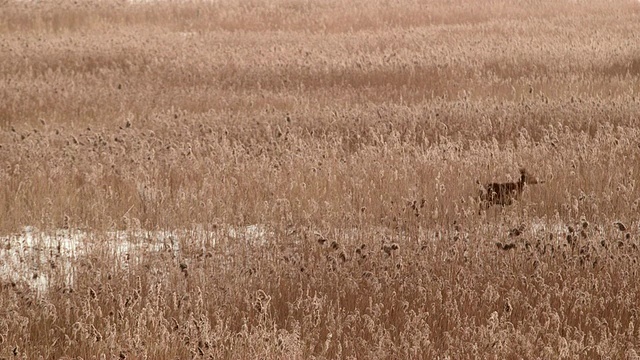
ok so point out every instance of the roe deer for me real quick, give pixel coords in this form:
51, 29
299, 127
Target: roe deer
504, 193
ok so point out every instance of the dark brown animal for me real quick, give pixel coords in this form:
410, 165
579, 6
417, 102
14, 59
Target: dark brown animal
504, 193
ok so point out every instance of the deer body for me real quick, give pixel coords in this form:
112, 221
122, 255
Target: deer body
504, 193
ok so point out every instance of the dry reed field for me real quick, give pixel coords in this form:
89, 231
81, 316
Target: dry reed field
295, 179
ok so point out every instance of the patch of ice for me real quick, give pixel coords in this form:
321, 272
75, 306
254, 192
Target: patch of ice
257, 234
34, 257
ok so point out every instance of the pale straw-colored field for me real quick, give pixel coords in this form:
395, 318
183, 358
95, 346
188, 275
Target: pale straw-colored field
293, 179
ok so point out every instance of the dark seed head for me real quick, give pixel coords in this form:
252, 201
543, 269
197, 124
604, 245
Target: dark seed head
343, 256
569, 239
505, 247
620, 226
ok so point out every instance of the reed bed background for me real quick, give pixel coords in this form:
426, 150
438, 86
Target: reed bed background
356, 132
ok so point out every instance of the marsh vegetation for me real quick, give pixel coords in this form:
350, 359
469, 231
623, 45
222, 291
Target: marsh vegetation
319, 162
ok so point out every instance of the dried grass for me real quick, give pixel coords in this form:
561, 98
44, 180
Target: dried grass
356, 132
